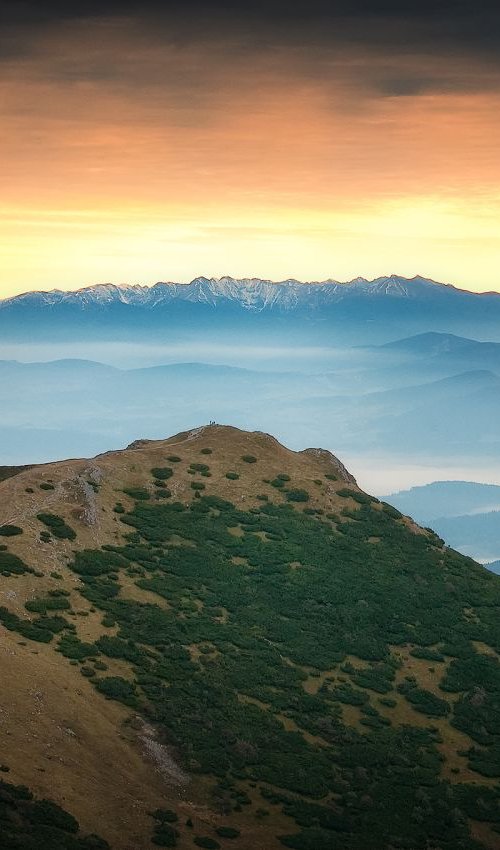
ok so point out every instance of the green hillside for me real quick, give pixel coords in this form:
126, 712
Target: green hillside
324, 673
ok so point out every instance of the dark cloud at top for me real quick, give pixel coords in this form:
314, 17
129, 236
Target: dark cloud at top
469, 20
463, 33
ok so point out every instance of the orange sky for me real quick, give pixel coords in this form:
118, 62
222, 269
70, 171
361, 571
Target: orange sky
127, 158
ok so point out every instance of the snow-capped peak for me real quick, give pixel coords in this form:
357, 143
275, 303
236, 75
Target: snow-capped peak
254, 294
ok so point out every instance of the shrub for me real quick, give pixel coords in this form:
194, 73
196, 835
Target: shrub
348, 695
378, 678
197, 485
424, 701
140, 494
388, 702
278, 483
118, 508
249, 458
206, 452
46, 813
165, 835
31, 631
11, 564
72, 647
297, 495
309, 839
391, 511
331, 477
360, 498
108, 621
10, 530
427, 654
115, 687
162, 472
166, 815
50, 603
174, 459
59, 591
57, 526
199, 467
46, 486
205, 841
233, 476
227, 832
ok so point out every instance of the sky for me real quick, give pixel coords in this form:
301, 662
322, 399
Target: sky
143, 142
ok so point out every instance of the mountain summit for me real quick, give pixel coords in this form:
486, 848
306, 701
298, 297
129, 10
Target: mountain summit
213, 641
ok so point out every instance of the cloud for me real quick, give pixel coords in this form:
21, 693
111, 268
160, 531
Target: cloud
469, 27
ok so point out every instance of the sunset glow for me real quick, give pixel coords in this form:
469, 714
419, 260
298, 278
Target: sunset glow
137, 154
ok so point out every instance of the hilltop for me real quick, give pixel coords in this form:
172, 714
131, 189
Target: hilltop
213, 641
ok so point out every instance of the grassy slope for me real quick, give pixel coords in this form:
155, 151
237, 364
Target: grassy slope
279, 614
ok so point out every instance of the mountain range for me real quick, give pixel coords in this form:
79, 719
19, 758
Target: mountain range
249, 293
359, 311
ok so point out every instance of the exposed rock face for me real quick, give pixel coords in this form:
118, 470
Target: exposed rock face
338, 466
88, 484
136, 444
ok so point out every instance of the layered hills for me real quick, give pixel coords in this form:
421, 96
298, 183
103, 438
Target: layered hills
213, 641
364, 402
465, 513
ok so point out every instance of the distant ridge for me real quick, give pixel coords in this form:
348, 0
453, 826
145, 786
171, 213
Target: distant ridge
252, 293
439, 344
447, 498
359, 311
466, 514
